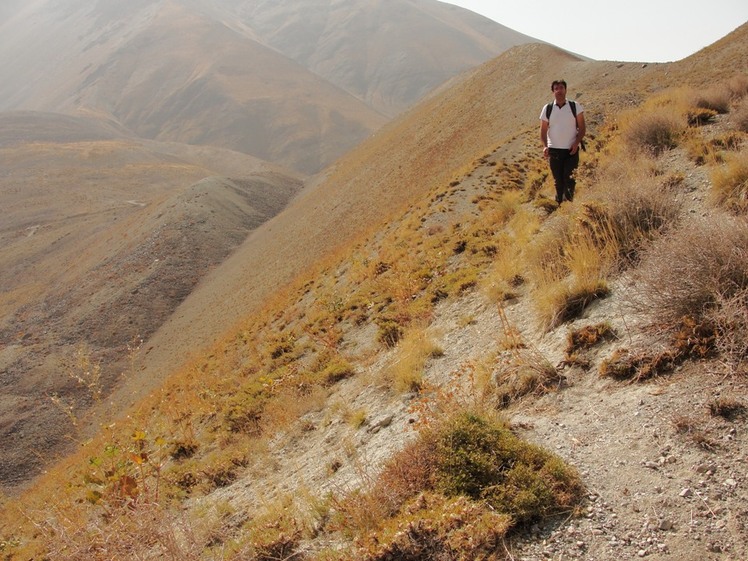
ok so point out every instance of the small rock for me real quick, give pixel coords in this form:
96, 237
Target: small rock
685, 493
665, 525
731, 483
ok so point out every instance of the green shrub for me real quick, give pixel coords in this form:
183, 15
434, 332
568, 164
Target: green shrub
484, 460
455, 492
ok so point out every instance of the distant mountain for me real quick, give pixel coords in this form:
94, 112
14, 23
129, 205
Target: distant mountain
288, 81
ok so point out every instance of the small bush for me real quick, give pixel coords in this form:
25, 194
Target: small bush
715, 99
625, 365
692, 272
390, 332
691, 340
437, 527
589, 336
639, 211
740, 116
482, 459
737, 86
698, 116
455, 492
730, 184
654, 132
337, 370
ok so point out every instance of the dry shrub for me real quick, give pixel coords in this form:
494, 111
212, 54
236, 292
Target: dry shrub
589, 336
730, 184
695, 283
699, 116
437, 527
692, 340
689, 427
740, 116
716, 99
626, 365
737, 86
275, 536
148, 532
636, 208
730, 317
730, 140
524, 372
689, 272
654, 131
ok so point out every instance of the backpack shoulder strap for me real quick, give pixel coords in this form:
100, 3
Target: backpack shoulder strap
549, 108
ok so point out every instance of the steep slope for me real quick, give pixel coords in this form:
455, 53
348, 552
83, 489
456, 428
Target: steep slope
101, 238
104, 233
424, 148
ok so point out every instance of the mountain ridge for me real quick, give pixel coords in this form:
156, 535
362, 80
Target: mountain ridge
92, 60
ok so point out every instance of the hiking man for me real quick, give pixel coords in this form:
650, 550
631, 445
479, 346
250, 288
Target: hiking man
561, 130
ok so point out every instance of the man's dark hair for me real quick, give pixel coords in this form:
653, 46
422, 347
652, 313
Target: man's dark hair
562, 82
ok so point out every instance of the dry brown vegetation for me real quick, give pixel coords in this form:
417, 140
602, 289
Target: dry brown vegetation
155, 484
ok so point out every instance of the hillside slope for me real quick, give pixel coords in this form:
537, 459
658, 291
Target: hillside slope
270, 442
425, 148
102, 237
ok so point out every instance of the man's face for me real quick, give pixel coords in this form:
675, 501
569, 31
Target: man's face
559, 91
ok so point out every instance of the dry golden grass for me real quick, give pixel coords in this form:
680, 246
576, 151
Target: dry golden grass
730, 183
407, 370
504, 279
656, 126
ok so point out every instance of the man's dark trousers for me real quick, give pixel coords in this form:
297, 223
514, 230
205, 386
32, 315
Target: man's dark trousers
563, 164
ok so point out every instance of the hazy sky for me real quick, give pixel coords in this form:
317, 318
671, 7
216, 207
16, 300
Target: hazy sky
637, 30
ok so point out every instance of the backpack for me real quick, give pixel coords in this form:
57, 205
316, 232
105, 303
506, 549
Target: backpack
573, 106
